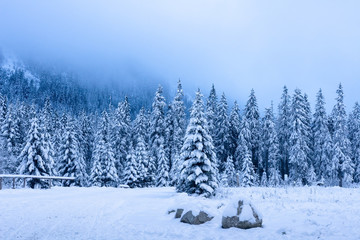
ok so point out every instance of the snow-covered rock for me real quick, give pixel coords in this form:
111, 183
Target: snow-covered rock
241, 214
201, 218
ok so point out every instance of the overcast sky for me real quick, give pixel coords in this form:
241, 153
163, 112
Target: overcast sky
237, 45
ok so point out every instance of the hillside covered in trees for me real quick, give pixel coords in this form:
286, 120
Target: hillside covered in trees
52, 125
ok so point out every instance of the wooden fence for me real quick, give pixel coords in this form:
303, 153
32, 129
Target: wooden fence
24, 177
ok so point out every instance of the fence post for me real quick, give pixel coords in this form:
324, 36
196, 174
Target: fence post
0, 183
24, 182
50, 183
13, 183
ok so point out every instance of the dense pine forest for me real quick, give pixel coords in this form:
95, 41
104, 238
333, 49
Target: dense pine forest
51, 125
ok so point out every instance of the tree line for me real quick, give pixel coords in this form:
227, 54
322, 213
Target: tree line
161, 146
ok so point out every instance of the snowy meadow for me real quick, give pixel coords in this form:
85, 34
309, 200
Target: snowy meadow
112, 213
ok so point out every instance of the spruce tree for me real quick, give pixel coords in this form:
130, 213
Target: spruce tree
104, 172
175, 130
270, 143
36, 158
212, 111
10, 133
120, 134
199, 174
354, 137
247, 175
86, 137
252, 116
72, 162
3, 108
230, 172
145, 177
243, 144
284, 131
157, 127
222, 137
299, 148
342, 146
131, 176
162, 176
323, 150
234, 129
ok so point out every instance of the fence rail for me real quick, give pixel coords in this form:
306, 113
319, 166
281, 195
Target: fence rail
14, 176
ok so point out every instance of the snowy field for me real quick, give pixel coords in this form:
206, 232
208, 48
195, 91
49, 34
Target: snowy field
110, 213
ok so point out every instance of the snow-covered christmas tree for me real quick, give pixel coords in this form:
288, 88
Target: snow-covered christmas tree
199, 173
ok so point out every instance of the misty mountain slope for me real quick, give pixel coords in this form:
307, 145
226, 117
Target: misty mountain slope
33, 83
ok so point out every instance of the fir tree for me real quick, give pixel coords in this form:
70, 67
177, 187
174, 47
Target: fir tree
234, 129
162, 176
248, 178
323, 149
145, 178
230, 172
175, 130
35, 158
157, 126
243, 144
212, 111
72, 163
252, 116
222, 138
342, 144
86, 136
104, 172
10, 133
284, 131
264, 180
3, 108
199, 174
131, 176
299, 148
120, 134
270, 143
354, 137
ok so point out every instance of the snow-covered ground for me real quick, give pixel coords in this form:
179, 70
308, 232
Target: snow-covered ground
110, 213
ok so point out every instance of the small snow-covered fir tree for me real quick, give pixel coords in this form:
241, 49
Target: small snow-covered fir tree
72, 162
36, 158
222, 137
131, 175
3, 108
199, 174
264, 180
104, 172
248, 178
234, 129
142, 161
274, 176
10, 133
212, 111
243, 144
230, 172
162, 176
